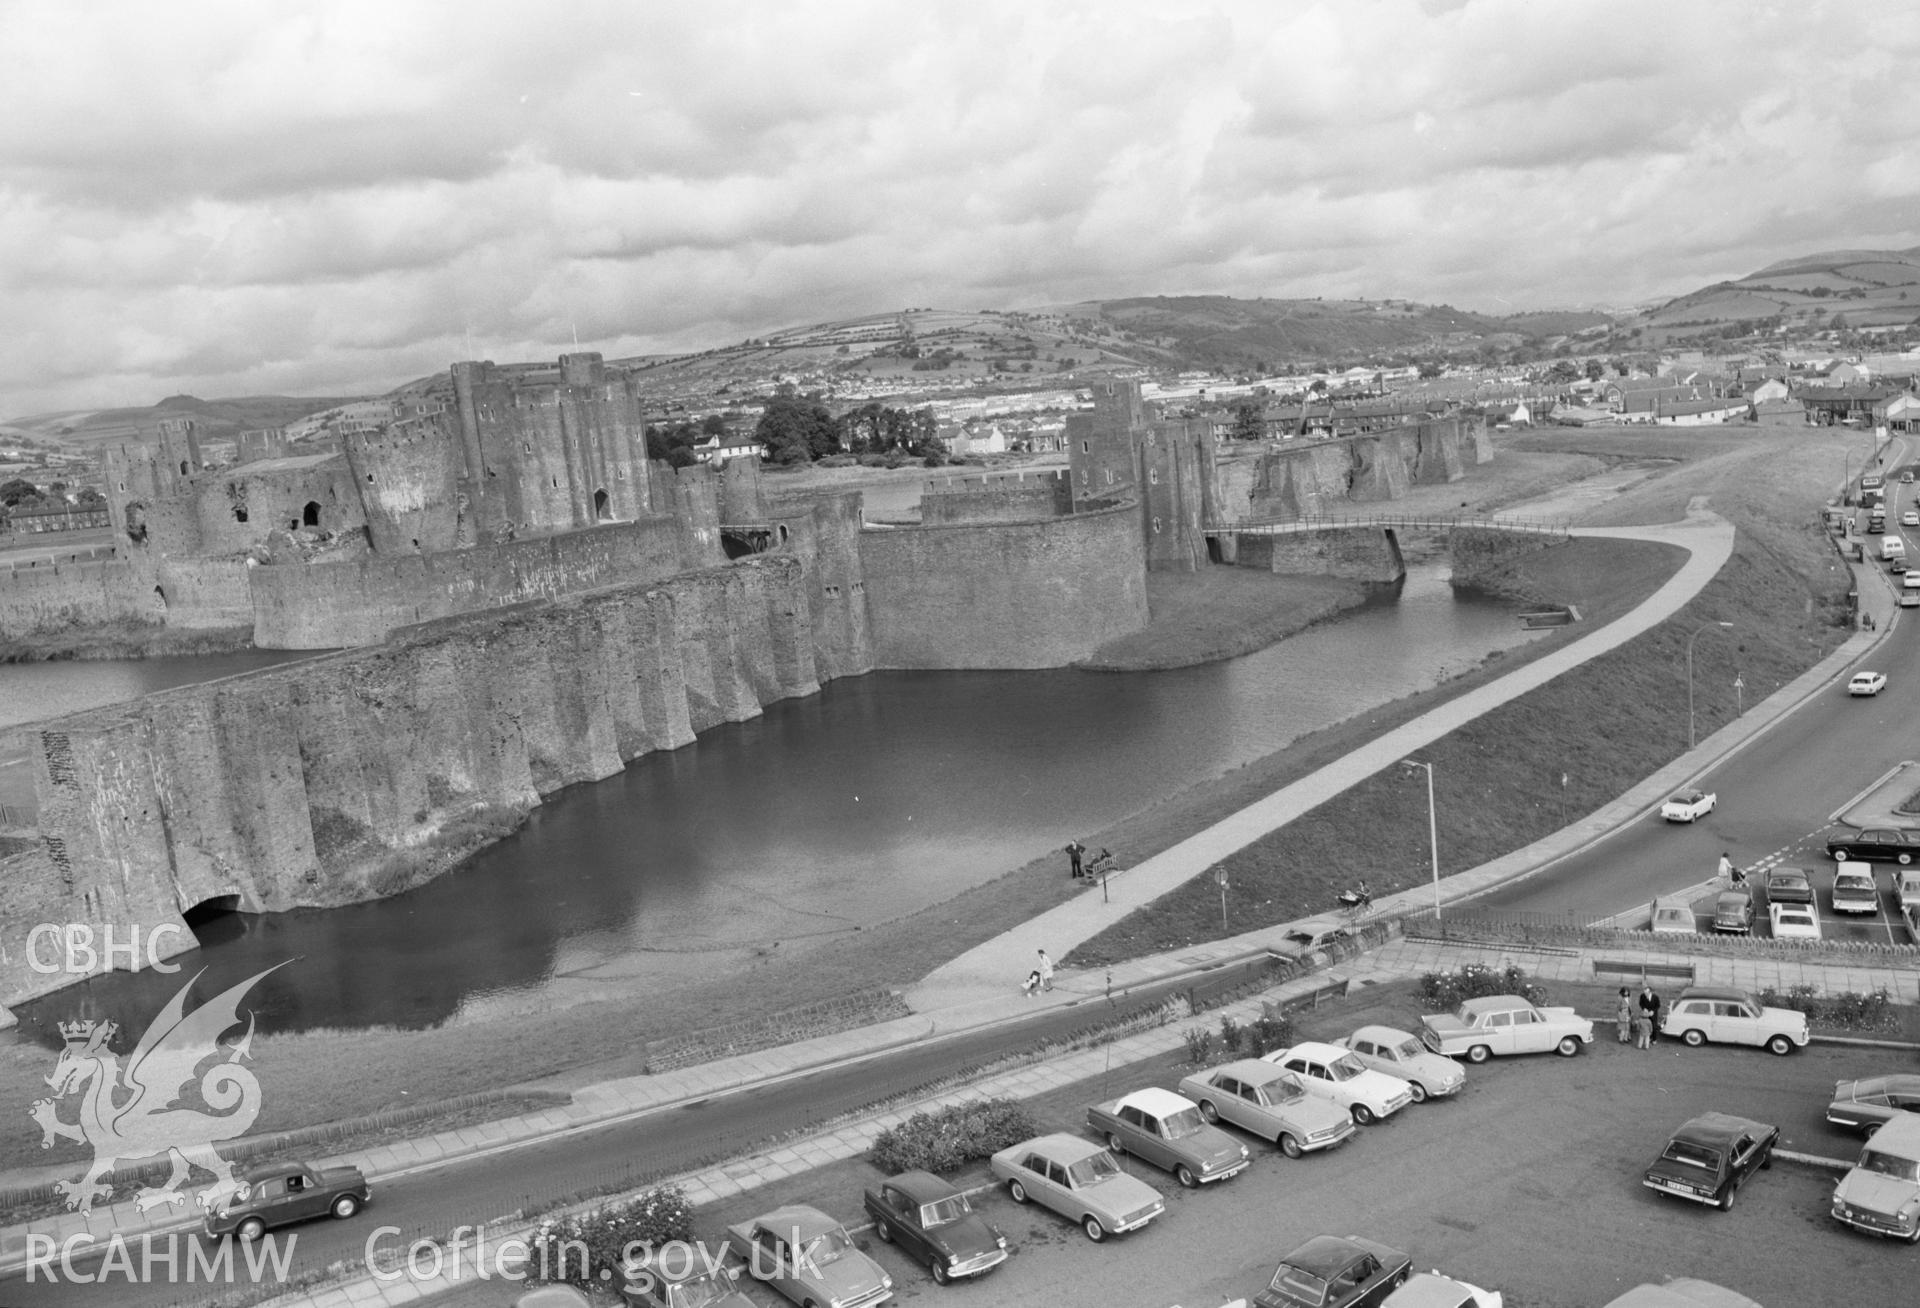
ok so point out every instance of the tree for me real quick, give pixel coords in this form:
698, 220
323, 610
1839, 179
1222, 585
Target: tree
1249, 422
794, 430
674, 444
17, 492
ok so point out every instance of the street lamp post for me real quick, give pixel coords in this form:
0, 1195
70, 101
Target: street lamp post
1705, 626
1433, 831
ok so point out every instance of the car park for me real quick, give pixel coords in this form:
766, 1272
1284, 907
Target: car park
1875, 845
279, 1194
1334, 1074
1335, 1271
1710, 1157
1870, 1102
1854, 889
1689, 806
1079, 1181
1432, 1290
1400, 1053
1793, 921
1789, 885
1167, 1130
1726, 1016
934, 1225
1505, 1024
1269, 1101
809, 1258
1881, 1194
1672, 915
1733, 911
1867, 683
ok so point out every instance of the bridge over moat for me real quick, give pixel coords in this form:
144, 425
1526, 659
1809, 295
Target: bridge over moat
1366, 547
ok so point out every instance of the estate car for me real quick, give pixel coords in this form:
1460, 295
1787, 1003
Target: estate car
1727, 1016
1869, 683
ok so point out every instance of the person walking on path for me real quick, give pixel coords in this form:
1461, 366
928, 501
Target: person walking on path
1046, 971
1728, 872
1075, 850
1625, 1015
1649, 1024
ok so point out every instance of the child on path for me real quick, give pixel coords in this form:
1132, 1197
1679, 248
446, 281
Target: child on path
1625, 1015
1033, 983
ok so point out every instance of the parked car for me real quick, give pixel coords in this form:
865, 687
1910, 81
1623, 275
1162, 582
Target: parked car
1868, 683
1689, 806
809, 1258
1269, 1101
1881, 1195
1910, 518
1400, 1053
935, 1226
278, 1194
1875, 845
1682, 1292
1854, 889
1432, 1290
1312, 934
1789, 885
1080, 1181
1333, 1073
696, 1285
1505, 1024
1794, 921
1726, 1016
1709, 1158
1871, 1102
1907, 887
1733, 911
557, 1296
1672, 915
1335, 1271
1167, 1130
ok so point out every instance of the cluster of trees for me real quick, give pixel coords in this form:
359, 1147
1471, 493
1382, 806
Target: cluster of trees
673, 443
796, 430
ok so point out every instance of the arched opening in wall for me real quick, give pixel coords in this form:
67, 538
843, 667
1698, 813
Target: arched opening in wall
1213, 550
183, 467
161, 595
209, 910
239, 513
602, 507
310, 516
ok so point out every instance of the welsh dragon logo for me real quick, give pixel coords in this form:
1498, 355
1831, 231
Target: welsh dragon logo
135, 1112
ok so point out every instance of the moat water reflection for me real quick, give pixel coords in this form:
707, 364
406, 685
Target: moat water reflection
882, 795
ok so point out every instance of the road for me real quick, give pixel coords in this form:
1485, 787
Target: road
1776, 796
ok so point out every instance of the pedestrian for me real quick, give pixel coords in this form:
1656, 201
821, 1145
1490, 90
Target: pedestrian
1649, 1006
1046, 971
1033, 983
1625, 1015
1726, 868
1074, 852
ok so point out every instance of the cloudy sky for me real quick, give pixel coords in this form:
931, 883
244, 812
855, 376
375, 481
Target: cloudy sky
333, 197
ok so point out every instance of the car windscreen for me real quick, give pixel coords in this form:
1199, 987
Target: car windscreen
1408, 1048
1184, 1123
942, 1211
1885, 1164
827, 1247
1692, 1155
1283, 1089
703, 1293
1345, 1069
1093, 1170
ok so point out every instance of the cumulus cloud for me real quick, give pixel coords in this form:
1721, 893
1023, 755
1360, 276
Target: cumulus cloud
226, 197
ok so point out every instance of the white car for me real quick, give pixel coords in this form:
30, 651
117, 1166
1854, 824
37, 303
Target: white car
1794, 921
1432, 1290
1867, 683
1911, 518
1400, 1053
1331, 1072
1689, 806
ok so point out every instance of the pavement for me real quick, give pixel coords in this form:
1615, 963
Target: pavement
980, 989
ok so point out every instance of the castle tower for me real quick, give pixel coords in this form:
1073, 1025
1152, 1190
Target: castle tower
1179, 493
143, 474
406, 474
1100, 444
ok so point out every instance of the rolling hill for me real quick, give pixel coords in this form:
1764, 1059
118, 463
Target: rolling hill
1861, 288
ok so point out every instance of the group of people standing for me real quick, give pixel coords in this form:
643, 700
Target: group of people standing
1639, 1017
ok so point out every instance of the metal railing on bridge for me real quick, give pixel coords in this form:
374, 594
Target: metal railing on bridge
1403, 522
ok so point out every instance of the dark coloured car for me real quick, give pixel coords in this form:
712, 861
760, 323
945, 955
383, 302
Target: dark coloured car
935, 1226
1875, 845
1710, 1157
1789, 885
277, 1194
1335, 1271
1733, 911
1868, 1103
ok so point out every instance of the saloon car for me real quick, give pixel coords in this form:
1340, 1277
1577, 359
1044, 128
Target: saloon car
1907, 888
1689, 806
1728, 1016
1400, 1053
696, 1285
1793, 921
809, 1258
277, 1194
935, 1226
1789, 885
1672, 915
1854, 889
1709, 1158
1313, 934
1881, 1194
1682, 1292
1270, 1102
1505, 1024
1335, 1271
1432, 1290
1733, 912
1078, 1180
1867, 1104
1868, 683
1169, 1131
1334, 1074
1875, 845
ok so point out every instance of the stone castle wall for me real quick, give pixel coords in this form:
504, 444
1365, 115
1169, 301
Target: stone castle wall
1006, 501
1004, 595
1357, 553
1309, 479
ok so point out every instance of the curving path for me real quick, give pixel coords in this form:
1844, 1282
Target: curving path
996, 967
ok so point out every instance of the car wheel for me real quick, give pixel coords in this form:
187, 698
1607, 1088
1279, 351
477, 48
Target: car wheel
1419, 1092
1184, 1175
1694, 1036
1095, 1231
1479, 1054
1362, 1115
1289, 1146
1016, 1192
939, 1270
345, 1206
884, 1231
1906, 858
1568, 1046
1869, 1129
1726, 1198
1779, 1044
251, 1229
1116, 1144
1208, 1111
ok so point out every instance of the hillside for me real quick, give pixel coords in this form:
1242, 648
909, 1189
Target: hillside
87, 430
1847, 289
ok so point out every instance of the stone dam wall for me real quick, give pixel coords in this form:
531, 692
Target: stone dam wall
1307, 479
